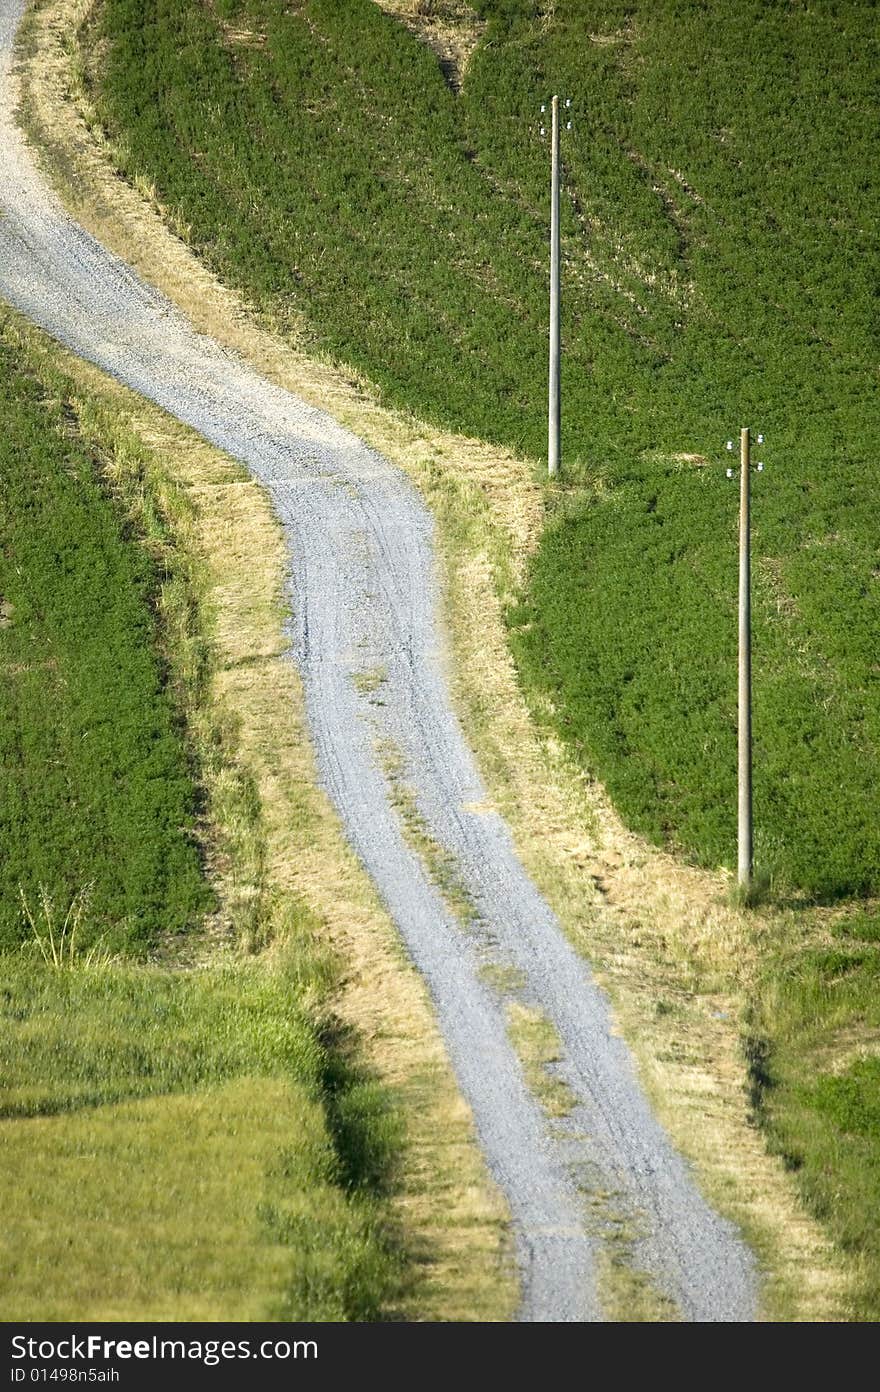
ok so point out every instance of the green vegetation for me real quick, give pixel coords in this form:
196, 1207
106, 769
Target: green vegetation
719, 255
630, 631
179, 1141
189, 1146
96, 790
816, 1081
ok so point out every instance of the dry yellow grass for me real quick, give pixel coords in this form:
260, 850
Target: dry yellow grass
450, 27
674, 958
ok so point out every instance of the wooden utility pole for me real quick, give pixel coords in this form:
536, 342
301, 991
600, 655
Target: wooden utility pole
554, 402
744, 819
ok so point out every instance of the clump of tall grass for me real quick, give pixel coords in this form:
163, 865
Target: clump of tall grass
57, 937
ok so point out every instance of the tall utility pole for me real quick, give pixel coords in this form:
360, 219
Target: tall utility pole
744, 750
554, 402
745, 854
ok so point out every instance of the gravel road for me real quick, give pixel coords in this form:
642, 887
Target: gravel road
366, 640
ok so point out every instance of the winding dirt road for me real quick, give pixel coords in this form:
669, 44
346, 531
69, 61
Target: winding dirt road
366, 641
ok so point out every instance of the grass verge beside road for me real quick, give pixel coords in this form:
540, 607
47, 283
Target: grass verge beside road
176, 1147
814, 1048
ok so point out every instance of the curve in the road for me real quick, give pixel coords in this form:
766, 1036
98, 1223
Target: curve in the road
363, 595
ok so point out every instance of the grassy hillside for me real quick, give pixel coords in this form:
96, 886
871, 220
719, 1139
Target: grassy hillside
720, 265
177, 1142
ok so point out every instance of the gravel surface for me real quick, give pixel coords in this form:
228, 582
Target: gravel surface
366, 641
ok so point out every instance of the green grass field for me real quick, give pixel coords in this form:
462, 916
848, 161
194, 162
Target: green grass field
182, 1145
720, 269
178, 1141
97, 795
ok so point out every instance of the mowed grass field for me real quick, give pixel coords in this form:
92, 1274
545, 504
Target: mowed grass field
185, 1132
720, 268
182, 1146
